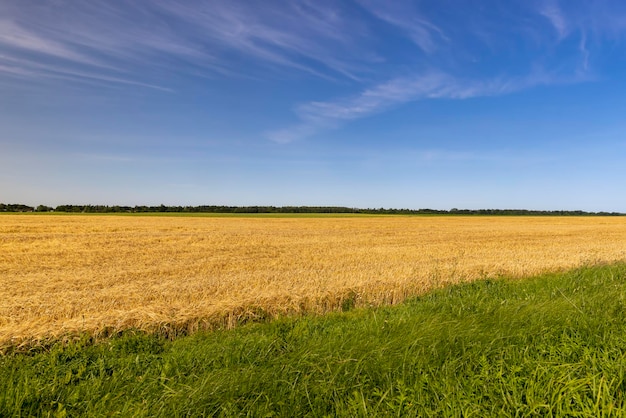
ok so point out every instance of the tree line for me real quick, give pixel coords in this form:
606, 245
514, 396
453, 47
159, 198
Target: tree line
291, 209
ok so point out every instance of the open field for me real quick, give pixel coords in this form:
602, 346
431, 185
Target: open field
64, 274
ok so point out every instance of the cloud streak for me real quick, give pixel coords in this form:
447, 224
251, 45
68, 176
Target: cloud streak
128, 40
403, 15
317, 116
316, 37
551, 11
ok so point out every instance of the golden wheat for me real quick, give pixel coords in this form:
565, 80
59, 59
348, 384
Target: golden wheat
60, 275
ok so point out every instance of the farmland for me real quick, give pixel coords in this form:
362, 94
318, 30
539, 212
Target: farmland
62, 275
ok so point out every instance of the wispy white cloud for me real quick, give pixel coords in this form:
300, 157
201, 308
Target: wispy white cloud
403, 15
290, 35
551, 10
297, 132
317, 116
591, 23
16, 70
16, 37
122, 40
86, 40
375, 99
582, 46
27, 68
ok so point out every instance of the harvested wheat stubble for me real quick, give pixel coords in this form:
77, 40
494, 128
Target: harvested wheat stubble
60, 275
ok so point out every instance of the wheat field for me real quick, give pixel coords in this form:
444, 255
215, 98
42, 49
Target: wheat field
61, 275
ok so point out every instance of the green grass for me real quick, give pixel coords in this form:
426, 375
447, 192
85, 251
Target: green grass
548, 346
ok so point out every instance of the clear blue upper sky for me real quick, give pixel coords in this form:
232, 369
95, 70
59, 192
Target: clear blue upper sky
364, 103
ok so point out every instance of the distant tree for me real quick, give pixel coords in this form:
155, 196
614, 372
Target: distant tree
295, 209
11, 207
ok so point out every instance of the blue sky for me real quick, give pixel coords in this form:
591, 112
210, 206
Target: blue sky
364, 103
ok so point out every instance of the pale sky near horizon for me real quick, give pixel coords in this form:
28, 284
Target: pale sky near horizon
363, 103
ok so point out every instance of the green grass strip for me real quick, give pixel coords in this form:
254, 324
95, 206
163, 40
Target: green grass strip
554, 345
